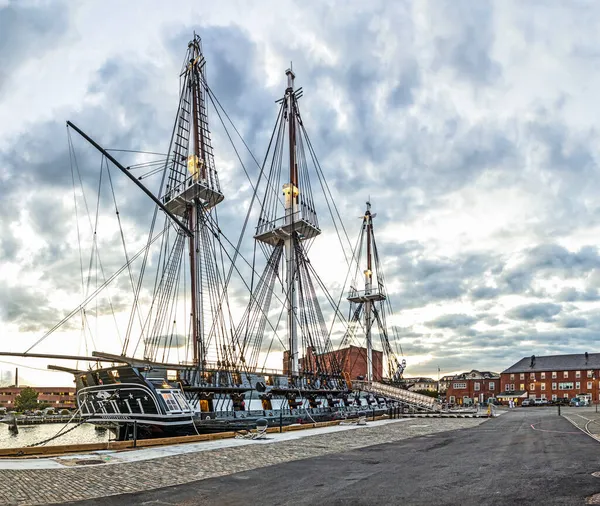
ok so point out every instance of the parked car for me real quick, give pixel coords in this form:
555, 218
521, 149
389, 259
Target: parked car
527, 402
579, 401
541, 402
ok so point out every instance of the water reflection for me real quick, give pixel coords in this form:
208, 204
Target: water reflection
30, 434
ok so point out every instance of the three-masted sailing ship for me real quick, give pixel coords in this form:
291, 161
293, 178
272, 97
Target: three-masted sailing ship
224, 386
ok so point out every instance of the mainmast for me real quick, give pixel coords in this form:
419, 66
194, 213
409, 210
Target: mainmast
299, 222
290, 191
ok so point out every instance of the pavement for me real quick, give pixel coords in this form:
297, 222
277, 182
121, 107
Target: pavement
526, 456
124, 474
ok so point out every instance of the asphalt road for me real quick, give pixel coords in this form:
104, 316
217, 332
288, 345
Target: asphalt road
503, 461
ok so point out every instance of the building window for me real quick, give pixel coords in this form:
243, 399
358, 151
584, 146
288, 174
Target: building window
543, 396
565, 386
565, 374
476, 386
459, 385
565, 396
553, 386
512, 377
543, 375
522, 386
589, 383
512, 387
452, 399
522, 376
507, 388
554, 397
532, 376
553, 374
492, 385
543, 386
578, 386
532, 386
590, 374
578, 374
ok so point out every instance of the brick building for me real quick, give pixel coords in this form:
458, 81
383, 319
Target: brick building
554, 377
473, 387
444, 383
353, 361
54, 397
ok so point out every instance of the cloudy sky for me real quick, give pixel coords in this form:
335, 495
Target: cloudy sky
471, 125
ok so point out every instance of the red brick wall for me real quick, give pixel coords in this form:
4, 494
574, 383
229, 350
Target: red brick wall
55, 397
543, 386
470, 391
353, 360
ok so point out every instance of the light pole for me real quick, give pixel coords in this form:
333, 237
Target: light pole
595, 387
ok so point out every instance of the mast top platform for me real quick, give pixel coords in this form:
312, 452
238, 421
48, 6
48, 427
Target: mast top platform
365, 295
274, 231
178, 198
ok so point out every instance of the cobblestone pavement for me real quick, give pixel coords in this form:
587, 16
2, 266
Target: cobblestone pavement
43, 486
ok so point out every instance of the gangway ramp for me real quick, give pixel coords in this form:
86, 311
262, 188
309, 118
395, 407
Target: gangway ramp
413, 399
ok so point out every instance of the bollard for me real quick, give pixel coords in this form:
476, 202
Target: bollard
280, 421
559, 410
135, 433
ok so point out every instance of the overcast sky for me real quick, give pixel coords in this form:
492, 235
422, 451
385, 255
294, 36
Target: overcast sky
471, 126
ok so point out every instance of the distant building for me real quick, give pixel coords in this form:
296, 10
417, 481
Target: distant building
352, 361
54, 397
473, 387
420, 384
554, 377
445, 383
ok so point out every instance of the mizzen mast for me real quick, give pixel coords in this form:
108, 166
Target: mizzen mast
369, 296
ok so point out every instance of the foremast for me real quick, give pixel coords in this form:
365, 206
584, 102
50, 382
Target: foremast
193, 186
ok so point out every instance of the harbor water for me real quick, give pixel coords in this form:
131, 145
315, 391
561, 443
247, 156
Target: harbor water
31, 434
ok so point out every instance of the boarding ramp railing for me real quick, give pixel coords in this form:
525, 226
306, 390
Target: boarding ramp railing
412, 399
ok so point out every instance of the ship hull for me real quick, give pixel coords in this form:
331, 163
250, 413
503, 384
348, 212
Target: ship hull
134, 405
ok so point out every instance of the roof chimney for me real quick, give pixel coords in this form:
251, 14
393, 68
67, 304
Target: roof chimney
586, 356
532, 361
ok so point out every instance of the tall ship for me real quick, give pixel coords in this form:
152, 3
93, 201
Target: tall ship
191, 362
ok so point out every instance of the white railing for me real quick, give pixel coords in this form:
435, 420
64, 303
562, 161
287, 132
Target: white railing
267, 226
353, 293
413, 398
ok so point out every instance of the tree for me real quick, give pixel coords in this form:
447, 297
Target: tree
27, 400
